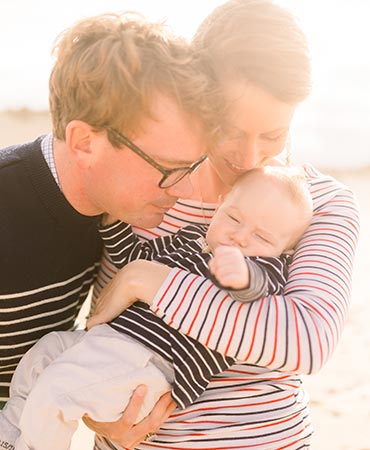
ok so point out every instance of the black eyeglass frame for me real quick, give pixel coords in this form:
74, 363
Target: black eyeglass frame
187, 170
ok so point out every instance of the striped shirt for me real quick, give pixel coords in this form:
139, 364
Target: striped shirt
261, 404
194, 364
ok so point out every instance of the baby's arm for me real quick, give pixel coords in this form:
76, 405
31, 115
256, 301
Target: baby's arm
247, 279
124, 246
127, 287
229, 268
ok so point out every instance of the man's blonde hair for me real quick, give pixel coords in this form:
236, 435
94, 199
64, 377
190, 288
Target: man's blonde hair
257, 42
109, 68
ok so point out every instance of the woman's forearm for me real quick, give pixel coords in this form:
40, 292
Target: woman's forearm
294, 332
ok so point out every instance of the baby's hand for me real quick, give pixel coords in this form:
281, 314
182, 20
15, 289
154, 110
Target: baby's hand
229, 268
126, 287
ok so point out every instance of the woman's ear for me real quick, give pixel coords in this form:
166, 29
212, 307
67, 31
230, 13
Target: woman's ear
78, 139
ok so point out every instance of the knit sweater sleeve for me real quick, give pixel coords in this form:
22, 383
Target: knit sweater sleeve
296, 331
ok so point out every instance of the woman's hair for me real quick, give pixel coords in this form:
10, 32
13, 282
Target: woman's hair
109, 69
258, 42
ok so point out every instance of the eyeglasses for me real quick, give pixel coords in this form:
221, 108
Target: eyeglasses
170, 176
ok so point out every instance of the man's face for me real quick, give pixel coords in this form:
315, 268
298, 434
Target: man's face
121, 183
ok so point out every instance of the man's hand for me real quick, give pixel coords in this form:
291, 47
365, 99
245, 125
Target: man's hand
229, 268
123, 431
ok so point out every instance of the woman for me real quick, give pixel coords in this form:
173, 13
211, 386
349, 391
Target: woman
258, 56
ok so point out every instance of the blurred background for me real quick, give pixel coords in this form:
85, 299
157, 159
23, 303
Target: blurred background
331, 130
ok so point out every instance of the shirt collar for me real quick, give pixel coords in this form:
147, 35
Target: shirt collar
47, 151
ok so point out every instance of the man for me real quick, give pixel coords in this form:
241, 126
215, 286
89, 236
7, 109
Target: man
131, 121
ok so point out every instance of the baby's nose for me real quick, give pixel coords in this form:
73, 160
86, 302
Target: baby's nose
240, 239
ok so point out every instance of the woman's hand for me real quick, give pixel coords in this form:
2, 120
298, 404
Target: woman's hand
139, 280
123, 431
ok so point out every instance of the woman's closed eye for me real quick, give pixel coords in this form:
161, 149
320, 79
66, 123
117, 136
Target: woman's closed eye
275, 138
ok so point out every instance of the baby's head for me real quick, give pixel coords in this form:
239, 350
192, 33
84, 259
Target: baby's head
265, 213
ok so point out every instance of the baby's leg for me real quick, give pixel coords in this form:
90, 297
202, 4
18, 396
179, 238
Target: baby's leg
48, 348
97, 377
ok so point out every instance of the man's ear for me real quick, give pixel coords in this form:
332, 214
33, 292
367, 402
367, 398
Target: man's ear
79, 136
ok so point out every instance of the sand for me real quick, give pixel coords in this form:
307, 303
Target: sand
340, 393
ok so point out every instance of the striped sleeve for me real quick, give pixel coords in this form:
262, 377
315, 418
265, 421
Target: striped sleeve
294, 332
124, 246
266, 276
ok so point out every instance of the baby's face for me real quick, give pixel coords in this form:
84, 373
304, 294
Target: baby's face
259, 219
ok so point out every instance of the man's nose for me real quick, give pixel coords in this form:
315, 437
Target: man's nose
183, 189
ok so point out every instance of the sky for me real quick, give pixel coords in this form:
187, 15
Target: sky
337, 31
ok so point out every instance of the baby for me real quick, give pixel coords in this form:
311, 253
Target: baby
65, 375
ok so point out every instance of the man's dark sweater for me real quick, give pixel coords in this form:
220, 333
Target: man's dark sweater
48, 259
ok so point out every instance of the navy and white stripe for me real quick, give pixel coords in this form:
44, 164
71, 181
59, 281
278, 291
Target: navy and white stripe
49, 255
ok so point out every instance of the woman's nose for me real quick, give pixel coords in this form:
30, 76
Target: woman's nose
252, 154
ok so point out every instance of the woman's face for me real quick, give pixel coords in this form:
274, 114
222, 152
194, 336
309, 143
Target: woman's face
257, 127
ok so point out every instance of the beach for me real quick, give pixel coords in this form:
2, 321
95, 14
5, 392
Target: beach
340, 393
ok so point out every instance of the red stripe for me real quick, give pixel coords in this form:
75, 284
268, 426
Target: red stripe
311, 306
262, 302
254, 378
336, 231
276, 332
233, 330
146, 231
319, 342
171, 224
336, 268
166, 291
182, 301
198, 309
294, 308
244, 405
192, 214
216, 317
244, 446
